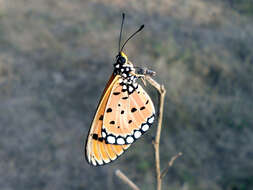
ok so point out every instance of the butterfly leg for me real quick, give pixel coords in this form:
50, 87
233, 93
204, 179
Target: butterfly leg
141, 76
145, 71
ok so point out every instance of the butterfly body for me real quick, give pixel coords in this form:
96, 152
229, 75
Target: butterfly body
124, 114
127, 73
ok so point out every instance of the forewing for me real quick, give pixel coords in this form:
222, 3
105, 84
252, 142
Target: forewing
98, 152
127, 116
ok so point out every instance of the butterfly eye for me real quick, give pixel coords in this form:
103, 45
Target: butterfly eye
121, 60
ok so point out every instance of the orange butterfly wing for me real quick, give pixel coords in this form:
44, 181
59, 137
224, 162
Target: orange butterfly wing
127, 116
98, 152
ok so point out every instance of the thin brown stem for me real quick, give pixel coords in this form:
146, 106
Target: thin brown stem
161, 90
125, 179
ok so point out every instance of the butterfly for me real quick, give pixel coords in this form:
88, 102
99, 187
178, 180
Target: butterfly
125, 112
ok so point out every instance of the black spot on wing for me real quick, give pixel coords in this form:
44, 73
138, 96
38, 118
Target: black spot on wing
112, 122
122, 112
101, 117
133, 109
116, 93
109, 110
124, 98
142, 108
130, 121
95, 136
100, 139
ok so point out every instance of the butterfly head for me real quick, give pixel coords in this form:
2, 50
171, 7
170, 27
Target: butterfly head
121, 58
125, 68
122, 64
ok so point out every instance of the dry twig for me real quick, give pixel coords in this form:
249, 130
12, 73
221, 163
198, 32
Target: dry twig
170, 163
124, 178
161, 91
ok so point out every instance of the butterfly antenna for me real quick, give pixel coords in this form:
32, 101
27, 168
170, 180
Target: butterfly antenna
121, 28
142, 26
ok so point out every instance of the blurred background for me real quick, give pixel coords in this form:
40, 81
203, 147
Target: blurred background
55, 59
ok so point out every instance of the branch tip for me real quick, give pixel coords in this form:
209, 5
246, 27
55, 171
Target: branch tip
125, 179
170, 163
